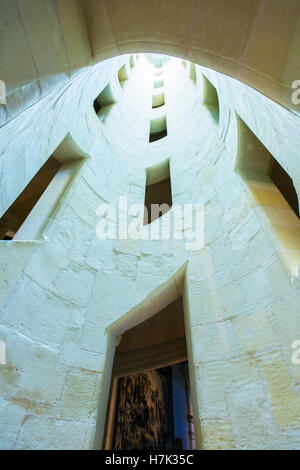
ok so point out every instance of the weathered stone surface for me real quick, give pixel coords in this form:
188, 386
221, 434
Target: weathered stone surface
64, 296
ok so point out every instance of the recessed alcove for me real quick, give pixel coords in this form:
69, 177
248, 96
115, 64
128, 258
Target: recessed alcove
158, 128
104, 102
32, 209
122, 75
272, 189
193, 73
16, 214
210, 99
158, 191
132, 61
158, 100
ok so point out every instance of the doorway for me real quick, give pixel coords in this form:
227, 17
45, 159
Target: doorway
150, 404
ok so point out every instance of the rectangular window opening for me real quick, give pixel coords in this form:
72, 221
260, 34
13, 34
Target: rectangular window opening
104, 102
158, 129
154, 136
29, 214
158, 192
272, 189
193, 73
210, 99
123, 75
131, 62
17, 213
158, 100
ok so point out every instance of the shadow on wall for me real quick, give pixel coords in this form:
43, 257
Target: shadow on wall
272, 190
33, 209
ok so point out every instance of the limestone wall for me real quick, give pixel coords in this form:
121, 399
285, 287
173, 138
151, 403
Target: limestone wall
44, 43
65, 296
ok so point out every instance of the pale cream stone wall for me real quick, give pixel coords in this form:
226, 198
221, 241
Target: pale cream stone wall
44, 43
66, 296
